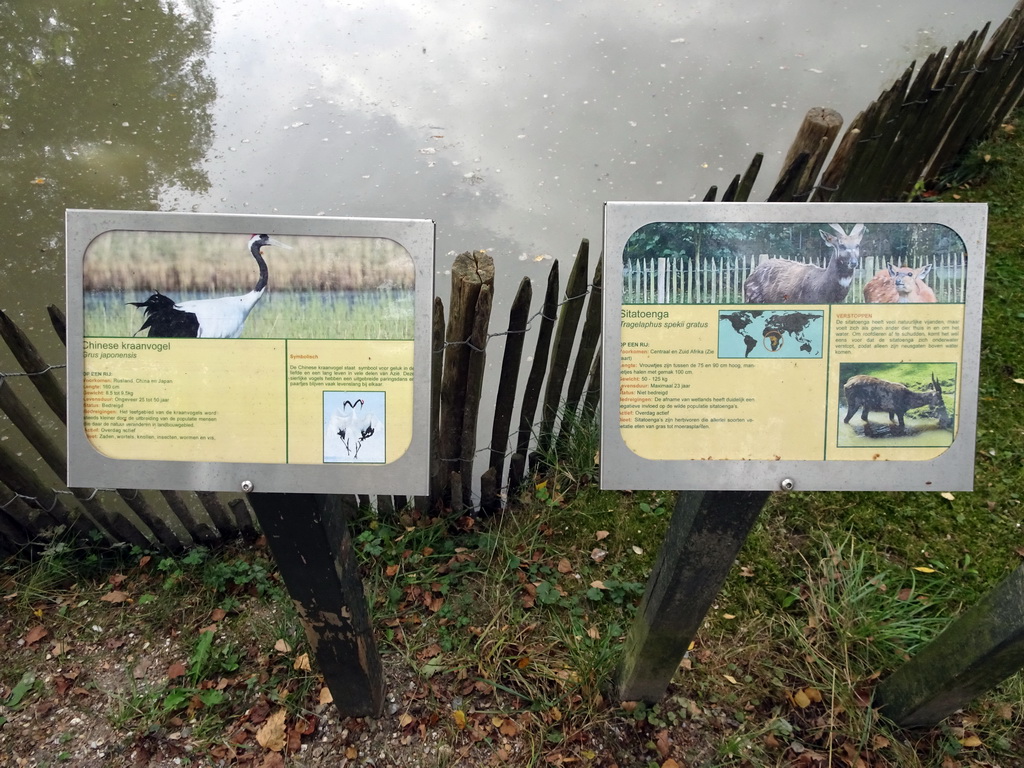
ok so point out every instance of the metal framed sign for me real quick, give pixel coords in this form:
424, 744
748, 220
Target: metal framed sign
204, 357
796, 346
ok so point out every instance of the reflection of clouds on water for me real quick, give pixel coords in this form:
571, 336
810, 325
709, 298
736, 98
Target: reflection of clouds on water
514, 141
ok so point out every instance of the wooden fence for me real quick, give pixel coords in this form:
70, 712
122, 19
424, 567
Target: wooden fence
668, 280
564, 378
898, 148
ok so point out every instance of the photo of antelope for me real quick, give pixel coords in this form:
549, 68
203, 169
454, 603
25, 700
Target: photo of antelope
900, 285
794, 263
912, 402
784, 281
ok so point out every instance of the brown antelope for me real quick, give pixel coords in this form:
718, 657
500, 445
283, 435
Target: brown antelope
900, 285
783, 281
871, 394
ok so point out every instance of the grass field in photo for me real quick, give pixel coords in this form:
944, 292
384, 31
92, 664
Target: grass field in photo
386, 314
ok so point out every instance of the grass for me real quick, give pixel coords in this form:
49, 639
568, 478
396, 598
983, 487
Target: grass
500, 636
282, 314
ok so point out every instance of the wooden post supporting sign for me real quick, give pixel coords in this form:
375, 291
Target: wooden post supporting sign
975, 653
705, 535
309, 537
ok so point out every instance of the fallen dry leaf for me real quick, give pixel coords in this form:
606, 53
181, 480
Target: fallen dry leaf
177, 669
597, 554
670, 763
325, 696
35, 634
141, 668
302, 662
564, 566
598, 584
637, 550
460, 719
602, 535
272, 760
971, 741
114, 596
662, 743
218, 614
923, 569
282, 646
271, 734
947, 495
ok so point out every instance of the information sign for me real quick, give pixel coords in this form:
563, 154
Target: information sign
796, 346
202, 356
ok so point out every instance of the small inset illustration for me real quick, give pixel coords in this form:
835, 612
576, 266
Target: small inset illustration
910, 404
354, 427
772, 333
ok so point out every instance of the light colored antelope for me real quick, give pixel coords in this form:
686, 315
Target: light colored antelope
900, 285
783, 281
866, 393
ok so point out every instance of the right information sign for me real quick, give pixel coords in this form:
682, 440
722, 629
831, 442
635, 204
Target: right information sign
796, 346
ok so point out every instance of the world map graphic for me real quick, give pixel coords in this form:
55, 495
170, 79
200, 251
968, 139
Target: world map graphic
766, 333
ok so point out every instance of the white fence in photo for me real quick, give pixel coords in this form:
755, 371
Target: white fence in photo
668, 280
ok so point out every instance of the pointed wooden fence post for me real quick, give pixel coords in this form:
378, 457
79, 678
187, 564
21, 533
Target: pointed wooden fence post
705, 535
309, 537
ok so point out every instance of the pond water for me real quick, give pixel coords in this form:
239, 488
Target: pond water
508, 123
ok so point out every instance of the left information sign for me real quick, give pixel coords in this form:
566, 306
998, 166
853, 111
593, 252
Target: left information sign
275, 353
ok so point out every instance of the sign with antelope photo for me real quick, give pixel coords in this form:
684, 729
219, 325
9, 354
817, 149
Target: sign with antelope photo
759, 346
204, 357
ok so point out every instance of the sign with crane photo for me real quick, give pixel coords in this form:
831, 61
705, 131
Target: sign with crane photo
795, 346
204, 357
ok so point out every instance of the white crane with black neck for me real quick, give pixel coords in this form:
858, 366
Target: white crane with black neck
221, 318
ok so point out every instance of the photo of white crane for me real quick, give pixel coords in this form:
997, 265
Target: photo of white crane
354, 427
144, 284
